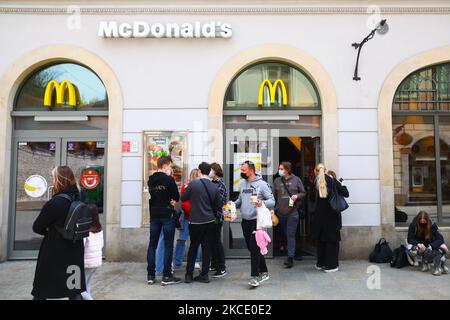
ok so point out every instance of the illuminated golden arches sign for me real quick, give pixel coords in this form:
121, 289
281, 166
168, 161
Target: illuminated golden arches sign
61, 89
272, 91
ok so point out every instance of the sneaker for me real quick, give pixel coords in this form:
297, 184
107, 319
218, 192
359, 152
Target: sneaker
425, 267
254, 282
331, 270
444, 269
289, 262
263, 277
188, 278
170, 280
318, 267
212, 269
220, 273
151, 279
437, 272
197, 266
202, 279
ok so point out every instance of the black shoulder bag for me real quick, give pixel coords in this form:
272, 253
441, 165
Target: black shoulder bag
301, 213
216, 215
336, 200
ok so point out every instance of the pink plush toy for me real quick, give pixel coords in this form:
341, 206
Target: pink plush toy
262, 239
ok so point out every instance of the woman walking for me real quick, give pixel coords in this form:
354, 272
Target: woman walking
288, 191
326, 223
59, 260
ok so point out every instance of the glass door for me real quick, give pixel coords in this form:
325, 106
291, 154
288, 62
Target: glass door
87, 158
239, 148
33, 161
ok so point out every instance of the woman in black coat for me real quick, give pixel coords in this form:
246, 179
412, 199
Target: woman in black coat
53, 278
326, 223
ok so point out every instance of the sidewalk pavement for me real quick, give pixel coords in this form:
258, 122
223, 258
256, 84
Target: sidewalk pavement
127, 280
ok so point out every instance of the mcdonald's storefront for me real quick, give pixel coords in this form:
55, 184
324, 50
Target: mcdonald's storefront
109, 89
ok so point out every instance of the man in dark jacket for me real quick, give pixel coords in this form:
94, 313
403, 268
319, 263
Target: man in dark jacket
206, 204
163, 197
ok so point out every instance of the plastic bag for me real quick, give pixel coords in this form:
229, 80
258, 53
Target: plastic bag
229, 212
264, 217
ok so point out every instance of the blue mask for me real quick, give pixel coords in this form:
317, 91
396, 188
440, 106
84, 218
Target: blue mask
281, 173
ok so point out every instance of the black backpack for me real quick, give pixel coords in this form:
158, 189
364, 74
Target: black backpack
382, 252
399, 259
78, 221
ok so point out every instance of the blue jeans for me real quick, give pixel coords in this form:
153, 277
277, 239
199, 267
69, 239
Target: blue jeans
167, 226
289, 230
179, 248
181, 243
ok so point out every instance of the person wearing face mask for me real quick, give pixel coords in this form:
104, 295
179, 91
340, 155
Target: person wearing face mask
217, 251
254, 191
288, 191
424, 234
163, 197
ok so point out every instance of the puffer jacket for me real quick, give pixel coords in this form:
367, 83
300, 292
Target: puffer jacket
93, 246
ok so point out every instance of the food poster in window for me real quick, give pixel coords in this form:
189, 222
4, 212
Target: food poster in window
170, 145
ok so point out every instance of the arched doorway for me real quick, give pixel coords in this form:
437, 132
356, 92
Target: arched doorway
271, 113
421, 136
60, 117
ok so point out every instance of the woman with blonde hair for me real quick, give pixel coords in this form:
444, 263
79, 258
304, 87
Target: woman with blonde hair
326, 223
58, 256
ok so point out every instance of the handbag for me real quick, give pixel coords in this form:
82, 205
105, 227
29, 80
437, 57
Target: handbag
211, 203
301, 212
336, 200
175, 215
275, 219
382, 253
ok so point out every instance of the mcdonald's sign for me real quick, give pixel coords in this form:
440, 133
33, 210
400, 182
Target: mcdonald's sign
272, 91
65, 92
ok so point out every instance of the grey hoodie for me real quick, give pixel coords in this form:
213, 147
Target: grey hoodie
248, 209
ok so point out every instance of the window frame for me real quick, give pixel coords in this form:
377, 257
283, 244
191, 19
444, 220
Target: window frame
265, 109
28, 111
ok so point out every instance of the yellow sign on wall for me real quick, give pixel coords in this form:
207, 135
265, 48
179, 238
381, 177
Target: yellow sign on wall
65, 91
272, 91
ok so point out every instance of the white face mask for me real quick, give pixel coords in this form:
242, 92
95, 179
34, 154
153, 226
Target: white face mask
212, 174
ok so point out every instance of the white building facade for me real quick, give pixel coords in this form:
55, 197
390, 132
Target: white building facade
184, 78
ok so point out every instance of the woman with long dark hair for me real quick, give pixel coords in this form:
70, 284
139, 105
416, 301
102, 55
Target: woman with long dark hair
424, 234
60, 261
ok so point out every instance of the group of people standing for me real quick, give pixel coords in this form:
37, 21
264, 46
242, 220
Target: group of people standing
202, 200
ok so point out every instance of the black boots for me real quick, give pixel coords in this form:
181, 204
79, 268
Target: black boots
289, 262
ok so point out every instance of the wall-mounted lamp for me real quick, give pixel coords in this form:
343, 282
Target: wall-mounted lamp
381, 28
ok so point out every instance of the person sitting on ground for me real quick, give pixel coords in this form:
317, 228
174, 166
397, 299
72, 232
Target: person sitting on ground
424, 235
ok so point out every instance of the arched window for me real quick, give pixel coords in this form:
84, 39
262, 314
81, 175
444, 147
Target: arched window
62, 86
421, 121
271, 85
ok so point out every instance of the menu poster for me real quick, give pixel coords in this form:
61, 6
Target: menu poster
170, 144
240, 158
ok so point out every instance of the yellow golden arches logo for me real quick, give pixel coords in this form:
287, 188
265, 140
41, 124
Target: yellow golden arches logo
65, 91
272, 91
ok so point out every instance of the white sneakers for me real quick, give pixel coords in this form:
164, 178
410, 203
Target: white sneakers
255, 281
